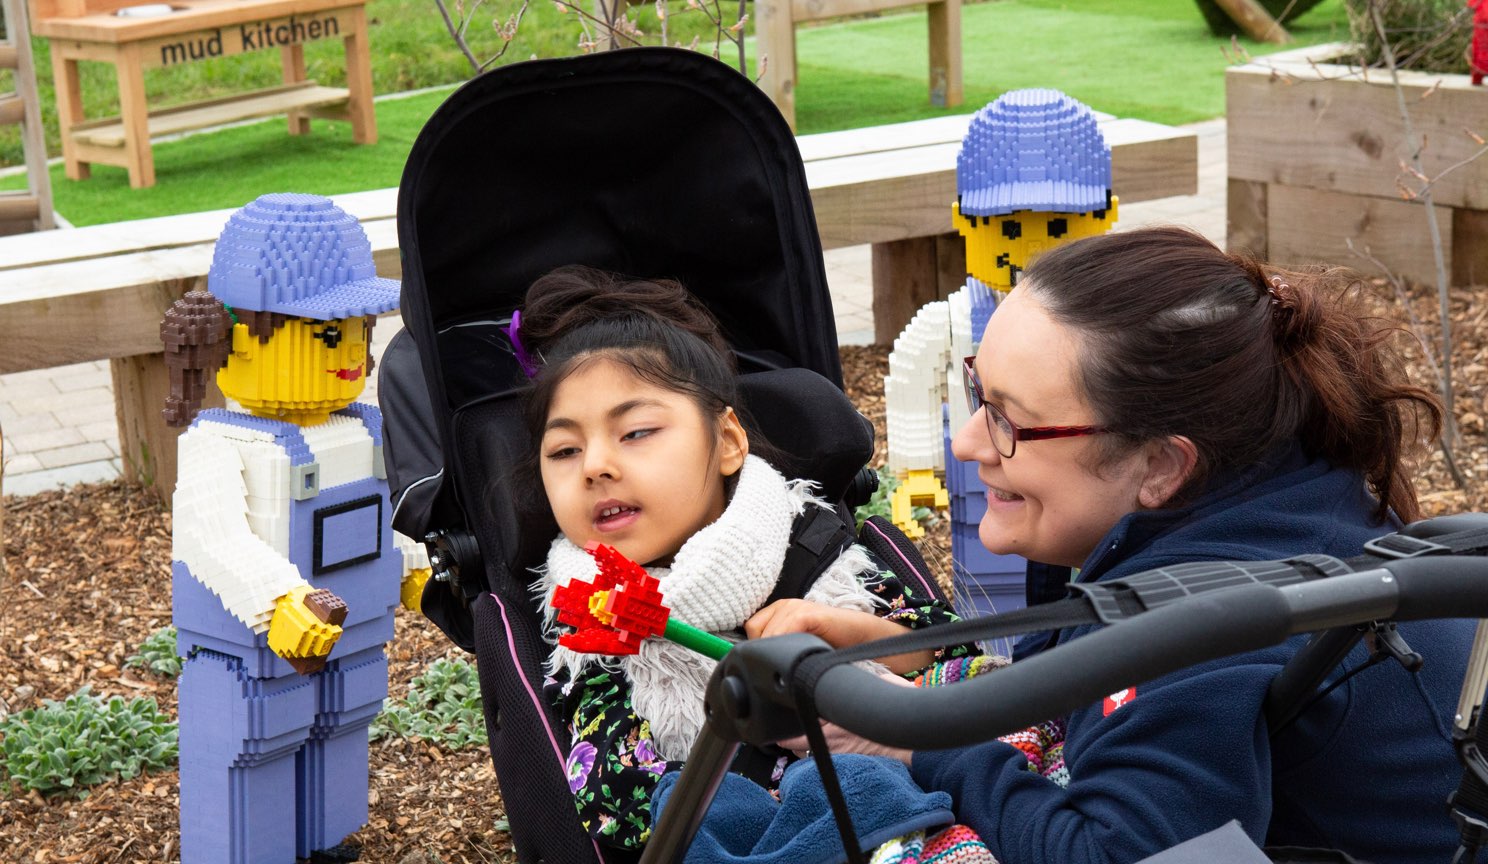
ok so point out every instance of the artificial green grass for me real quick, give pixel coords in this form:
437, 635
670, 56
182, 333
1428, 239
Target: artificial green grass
1151, 59
231, 167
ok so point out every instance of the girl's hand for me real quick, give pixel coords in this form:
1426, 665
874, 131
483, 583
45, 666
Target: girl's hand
840, 740
839, 628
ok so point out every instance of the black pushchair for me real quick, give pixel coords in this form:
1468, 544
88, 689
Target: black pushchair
656, 162
661, 162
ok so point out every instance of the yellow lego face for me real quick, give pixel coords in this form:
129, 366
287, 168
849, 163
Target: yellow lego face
999, 248
305, 370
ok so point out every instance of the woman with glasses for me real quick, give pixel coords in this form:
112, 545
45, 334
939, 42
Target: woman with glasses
1143, 399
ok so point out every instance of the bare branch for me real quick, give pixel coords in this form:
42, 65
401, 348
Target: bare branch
458, 34
1449, 425
508, 33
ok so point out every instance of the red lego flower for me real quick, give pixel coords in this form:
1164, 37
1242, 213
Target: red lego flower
616, 612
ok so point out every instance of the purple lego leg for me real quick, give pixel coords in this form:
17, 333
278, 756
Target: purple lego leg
237, 761
331, 770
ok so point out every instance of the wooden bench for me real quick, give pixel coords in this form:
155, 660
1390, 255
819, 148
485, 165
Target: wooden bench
99, 293
775, 44
197, 30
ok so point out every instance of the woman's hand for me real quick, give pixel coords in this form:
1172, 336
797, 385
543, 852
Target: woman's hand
840, 740
839, 628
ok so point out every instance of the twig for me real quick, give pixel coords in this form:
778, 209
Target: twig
743, 68
26, 583
1453, 167
457, 34
1417, 327
1452, 468
1449, 424
508, 33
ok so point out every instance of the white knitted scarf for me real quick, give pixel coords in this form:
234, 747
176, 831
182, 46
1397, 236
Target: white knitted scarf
718, 579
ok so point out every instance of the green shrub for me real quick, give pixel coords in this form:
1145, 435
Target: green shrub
443, 706
158, 654
880, 503
71, 745
1430, 35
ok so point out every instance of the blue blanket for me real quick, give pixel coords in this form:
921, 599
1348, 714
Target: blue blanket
746, 825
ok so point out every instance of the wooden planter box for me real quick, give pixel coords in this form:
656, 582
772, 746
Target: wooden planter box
1315, 160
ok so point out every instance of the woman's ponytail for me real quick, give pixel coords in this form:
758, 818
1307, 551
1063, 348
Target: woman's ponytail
1240, 357
1361, 412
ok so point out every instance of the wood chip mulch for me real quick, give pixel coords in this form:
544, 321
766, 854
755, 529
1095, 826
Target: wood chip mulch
88, 579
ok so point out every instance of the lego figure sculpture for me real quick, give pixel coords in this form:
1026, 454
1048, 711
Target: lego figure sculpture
285, 571
1033, 171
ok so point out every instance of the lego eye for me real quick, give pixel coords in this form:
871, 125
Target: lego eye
1012, 229
331, 336
1058, 227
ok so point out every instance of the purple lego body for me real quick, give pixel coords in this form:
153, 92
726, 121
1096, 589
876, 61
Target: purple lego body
262, 747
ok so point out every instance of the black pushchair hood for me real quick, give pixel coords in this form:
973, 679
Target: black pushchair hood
649, 162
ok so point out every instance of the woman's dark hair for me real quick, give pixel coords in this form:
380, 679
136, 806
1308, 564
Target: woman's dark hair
655, 328
1180, 338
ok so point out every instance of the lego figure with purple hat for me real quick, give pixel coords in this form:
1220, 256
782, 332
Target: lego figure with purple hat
285, 571
1033, 171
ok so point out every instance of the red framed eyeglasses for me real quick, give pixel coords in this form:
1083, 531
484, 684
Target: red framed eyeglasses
1005, 433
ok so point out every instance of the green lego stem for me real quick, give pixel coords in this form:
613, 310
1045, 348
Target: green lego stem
701, 641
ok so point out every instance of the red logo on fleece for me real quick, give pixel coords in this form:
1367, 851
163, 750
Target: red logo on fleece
1117, 699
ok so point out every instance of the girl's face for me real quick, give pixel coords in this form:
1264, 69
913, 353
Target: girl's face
1044, 503
633, 465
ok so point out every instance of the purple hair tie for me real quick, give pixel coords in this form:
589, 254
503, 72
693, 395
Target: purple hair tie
529, 367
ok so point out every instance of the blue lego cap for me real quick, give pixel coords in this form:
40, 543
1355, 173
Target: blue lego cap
1033, 150
298, 255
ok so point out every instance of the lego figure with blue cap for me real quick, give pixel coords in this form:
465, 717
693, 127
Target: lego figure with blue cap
1033, 171
285, 571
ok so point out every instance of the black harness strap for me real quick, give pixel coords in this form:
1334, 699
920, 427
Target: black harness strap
818, 536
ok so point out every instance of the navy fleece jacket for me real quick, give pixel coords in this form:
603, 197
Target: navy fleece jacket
1366, 770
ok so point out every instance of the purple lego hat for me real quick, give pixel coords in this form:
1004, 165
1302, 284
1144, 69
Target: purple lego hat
1033, 150
298, 255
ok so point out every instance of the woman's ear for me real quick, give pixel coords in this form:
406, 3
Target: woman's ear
1170, 462
733, 443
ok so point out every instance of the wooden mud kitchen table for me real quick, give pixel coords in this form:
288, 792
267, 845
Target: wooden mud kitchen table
192, 30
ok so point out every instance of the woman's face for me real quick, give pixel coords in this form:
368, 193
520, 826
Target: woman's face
632, 465
1045, 503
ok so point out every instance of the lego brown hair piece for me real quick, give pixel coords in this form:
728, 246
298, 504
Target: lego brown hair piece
197, 332
261, 324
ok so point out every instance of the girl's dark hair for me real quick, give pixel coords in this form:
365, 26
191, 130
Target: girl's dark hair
1180, 338
655, 328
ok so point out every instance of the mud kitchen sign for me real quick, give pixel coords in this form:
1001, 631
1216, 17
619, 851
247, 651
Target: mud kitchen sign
241, 38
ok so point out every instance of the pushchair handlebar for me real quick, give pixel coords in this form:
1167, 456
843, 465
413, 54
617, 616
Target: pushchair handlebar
1169, 638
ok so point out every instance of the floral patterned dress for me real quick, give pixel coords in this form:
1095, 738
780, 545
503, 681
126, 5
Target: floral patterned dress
612, 766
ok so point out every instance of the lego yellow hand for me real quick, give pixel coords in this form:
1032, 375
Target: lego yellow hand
306, 624
413, 588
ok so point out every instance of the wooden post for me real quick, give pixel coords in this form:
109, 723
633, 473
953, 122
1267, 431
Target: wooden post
69, 110
292, 59
1255, 21
359, 80
33, 141
945, 53
147, 446
906, 276
775, 55
1469, 251
950, 264
135, 114
1245, 217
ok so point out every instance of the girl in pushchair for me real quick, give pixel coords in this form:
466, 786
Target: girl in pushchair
639, 446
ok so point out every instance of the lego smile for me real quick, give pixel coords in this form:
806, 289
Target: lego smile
347, 374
